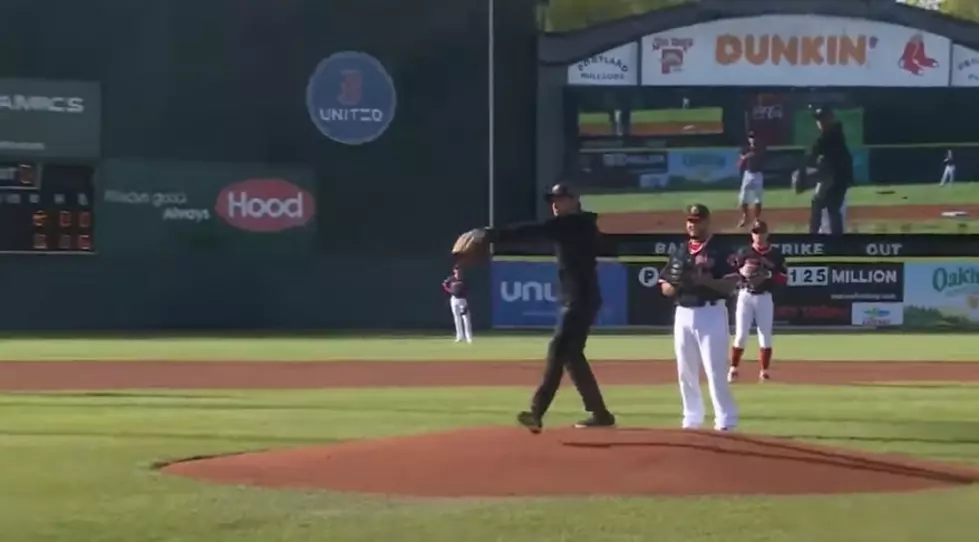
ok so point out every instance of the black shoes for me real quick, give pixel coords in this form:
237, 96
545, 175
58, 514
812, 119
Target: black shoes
530, 421
533, 423
603, 420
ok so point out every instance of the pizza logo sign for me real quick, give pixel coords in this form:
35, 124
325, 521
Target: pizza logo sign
671, 53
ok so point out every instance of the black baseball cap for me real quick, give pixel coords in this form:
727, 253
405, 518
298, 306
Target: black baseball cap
759, 226
697, 212
559, 190
751, 134
822, 112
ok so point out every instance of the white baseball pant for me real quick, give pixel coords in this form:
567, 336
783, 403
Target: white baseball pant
700, 339
752, 188
462, 319
758, 309
948, 176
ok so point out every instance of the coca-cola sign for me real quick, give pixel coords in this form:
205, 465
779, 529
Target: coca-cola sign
265, 205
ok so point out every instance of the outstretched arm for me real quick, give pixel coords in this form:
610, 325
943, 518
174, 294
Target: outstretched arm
522, 231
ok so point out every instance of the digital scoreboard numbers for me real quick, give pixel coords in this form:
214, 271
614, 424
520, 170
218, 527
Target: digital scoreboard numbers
46, 208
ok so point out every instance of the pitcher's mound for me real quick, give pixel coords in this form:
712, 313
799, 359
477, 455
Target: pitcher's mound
510, 462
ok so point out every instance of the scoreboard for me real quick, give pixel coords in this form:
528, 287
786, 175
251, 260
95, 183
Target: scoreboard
47, 207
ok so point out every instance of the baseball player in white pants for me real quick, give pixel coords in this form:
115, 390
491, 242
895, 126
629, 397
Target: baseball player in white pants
457, 289
762, 268
948, 176
752, 181
700, 328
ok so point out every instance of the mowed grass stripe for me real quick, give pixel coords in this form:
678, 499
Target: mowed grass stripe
488, 347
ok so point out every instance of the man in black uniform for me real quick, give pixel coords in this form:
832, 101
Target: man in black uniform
835, 165
577, 241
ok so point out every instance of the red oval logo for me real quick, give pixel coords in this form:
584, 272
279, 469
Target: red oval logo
265, 205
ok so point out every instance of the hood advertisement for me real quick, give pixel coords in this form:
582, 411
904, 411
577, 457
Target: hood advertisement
50, 119
615, 67
525, 294
942, 295
183, 205
796, 50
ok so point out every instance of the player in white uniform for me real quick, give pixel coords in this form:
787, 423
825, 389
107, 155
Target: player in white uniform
700, 329
762, 267
948, 176
458, 303
752, 180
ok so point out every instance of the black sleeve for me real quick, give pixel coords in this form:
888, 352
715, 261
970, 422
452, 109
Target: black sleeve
724, 264
523, 231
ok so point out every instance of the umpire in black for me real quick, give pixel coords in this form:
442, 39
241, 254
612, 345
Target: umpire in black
834, 171
577, 242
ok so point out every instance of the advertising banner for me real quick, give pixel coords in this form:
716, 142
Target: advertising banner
850, 282
878, 314
159, 207
941, 294
50, 119
647, 305
789, 312
525, 294
615, 67
620, 170
702, 167
796, 51
965, 67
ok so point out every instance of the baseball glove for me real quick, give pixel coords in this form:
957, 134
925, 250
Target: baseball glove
471, 245
753, 274
678, 272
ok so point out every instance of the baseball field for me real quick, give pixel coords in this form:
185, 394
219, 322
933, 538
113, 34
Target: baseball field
904, 208
860, 437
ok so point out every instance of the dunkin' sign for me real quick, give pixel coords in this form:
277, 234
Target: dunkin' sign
265, 205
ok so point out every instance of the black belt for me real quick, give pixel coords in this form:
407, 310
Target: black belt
705, 303
755, 292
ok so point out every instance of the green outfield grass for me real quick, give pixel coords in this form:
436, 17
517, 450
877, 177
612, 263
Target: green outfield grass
947, 226
488, 346
903, 194
78, 468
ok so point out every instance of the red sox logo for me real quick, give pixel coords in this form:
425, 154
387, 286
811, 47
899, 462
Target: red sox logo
915, 60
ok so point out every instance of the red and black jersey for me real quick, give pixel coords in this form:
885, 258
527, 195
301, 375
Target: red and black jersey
752, 159
456, 287
768, 257
707, 258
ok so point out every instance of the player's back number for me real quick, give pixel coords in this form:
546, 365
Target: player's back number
648, 276
808, 276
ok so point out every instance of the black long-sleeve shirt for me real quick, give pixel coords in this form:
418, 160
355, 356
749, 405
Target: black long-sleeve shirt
830, 145
577, 245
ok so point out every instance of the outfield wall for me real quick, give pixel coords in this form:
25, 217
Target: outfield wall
353, 139
861, 281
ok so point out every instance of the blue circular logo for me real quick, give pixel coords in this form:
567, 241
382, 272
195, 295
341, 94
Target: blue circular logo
351, 98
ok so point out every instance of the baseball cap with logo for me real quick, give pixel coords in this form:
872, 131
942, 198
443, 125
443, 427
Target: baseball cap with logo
759, 226
697, 212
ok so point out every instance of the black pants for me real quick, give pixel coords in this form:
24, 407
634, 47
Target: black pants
832, 202
567, 351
